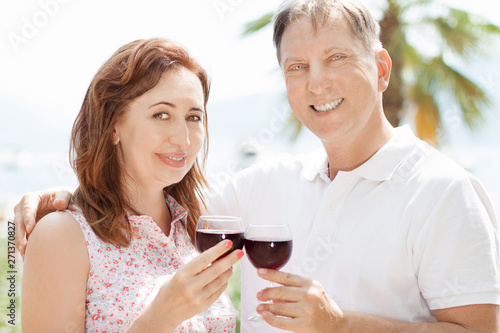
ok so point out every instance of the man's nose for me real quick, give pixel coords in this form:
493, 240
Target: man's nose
318, 80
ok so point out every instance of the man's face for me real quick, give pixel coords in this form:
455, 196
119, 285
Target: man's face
333, 81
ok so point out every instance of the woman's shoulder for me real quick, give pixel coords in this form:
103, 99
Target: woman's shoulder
58, 231
56, 223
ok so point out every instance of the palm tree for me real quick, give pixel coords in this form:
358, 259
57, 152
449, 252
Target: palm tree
421, 82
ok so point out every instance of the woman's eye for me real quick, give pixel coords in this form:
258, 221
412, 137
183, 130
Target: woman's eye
161, 115
194, 118
296, 68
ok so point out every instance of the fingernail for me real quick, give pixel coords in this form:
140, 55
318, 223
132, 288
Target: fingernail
229, 243
259, 294
240, 253
262, 271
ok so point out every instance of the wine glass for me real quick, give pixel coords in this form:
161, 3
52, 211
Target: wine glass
268, 246
210, 230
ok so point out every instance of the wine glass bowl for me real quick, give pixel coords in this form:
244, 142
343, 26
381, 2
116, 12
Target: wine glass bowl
212, 229
268, 253
268, 246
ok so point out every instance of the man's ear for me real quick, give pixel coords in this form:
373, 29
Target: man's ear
384, 64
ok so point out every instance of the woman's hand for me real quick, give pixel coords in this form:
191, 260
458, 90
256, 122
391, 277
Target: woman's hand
192, 290
32, 207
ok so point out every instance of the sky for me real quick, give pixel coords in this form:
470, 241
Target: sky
53, 66
50, 49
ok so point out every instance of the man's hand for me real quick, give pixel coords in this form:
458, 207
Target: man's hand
302, 305
35, 205
303, 301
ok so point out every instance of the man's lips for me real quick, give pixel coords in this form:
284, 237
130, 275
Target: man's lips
328, 106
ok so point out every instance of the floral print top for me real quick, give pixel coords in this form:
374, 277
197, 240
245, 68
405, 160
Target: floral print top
124, 280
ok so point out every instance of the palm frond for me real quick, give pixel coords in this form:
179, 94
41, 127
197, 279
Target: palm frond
257, 24
462, 32
469, 96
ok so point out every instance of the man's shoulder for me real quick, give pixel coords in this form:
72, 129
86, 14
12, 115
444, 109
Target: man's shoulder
426, 163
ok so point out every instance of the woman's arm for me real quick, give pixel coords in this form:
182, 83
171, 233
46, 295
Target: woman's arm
56, 268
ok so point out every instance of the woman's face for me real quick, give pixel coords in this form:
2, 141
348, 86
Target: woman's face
162, 131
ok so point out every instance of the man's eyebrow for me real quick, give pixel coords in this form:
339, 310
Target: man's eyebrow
172, 105
333, 48
291, 59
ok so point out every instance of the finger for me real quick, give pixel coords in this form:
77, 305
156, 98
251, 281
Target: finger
20, 230
198, 264
280, 294
215, 289
284, 278
290, 310
289, 324
29, 208
61, 199
220, 266
215, 296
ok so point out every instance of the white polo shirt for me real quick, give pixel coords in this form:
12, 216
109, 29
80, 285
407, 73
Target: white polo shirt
407, 232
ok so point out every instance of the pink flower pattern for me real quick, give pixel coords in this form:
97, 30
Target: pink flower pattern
123, 281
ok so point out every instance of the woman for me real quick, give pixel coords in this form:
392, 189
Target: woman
120, 258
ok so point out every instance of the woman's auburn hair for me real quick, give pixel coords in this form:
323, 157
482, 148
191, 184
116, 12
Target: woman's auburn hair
131, 71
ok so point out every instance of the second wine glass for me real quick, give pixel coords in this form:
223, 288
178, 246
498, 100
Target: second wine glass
268, 246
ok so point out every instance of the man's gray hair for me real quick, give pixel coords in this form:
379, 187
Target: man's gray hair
363, 25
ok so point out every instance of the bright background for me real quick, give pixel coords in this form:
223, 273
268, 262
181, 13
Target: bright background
50, 50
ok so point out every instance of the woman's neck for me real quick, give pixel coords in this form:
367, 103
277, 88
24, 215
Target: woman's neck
150, 202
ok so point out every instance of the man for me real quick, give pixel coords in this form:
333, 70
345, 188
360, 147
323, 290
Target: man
389, 235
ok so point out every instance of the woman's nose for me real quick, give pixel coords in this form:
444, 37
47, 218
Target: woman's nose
179, 136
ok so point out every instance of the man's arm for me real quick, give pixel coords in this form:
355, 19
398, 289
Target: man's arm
35, 205
309, 309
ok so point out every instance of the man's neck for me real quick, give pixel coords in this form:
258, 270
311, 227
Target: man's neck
351, 152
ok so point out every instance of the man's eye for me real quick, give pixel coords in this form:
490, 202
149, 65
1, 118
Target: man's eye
161, 115
297, 67
336, 57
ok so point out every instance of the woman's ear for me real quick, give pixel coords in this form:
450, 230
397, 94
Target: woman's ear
384, 64
116, 136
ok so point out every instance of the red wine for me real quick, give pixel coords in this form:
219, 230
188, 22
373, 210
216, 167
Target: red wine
268, 253
206, 238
